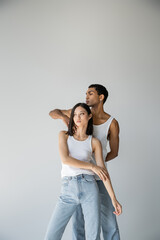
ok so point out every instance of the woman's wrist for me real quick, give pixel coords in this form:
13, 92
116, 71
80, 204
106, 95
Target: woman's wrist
113, 198
92, 166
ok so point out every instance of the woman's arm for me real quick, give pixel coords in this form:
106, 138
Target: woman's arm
97, 149
68, 160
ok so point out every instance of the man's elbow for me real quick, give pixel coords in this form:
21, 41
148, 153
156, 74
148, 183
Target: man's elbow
52, 113
114, 155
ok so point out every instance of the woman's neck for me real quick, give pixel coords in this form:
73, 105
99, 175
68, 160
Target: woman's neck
80, 133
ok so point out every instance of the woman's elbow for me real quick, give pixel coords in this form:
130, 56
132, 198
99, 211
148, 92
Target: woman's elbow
64, 160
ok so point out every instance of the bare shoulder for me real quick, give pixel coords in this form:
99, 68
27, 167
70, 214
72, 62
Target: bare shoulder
63, 135
95, 142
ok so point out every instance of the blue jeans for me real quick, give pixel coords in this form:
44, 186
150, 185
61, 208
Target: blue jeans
108, 219
81, 190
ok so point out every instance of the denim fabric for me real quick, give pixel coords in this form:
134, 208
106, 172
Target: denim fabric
108, 219
81, 190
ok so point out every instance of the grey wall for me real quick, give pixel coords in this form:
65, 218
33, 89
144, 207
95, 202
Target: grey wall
50, 51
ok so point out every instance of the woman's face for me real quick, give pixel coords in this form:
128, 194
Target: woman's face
81, 117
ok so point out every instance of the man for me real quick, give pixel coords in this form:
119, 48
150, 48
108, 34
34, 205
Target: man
105, 128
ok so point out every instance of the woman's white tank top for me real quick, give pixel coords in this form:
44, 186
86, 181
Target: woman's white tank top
81, 150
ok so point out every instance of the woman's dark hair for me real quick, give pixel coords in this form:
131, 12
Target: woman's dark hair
71, 126
100, 90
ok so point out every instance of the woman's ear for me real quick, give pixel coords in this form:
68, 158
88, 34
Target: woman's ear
90, 115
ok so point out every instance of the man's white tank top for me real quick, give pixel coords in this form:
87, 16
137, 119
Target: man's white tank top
101, 132
81, 150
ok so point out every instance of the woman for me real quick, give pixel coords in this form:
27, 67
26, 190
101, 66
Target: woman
78, 182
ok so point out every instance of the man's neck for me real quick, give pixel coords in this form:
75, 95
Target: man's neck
99, 115
98, 111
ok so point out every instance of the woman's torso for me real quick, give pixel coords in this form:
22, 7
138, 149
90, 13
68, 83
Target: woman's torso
81, 150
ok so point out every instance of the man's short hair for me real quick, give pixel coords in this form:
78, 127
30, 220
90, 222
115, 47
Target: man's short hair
100, 90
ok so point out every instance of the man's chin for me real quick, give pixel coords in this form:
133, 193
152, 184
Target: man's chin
89, 105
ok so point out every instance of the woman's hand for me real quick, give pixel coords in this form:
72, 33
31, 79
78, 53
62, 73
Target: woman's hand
100, 171
117, 206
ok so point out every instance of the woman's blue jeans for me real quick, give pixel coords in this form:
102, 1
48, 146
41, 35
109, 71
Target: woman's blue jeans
108, 219
81, 190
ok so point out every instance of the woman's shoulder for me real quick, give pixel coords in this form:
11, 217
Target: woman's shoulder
63, 132
95, 141
63, 135
96, 144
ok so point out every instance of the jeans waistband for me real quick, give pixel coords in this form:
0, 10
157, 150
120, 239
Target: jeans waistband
80, 176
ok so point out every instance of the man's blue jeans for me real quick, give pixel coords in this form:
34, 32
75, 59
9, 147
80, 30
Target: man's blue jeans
81, 190
108, 219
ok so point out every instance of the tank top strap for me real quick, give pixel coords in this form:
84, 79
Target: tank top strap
109, 121
90, 142
69, 138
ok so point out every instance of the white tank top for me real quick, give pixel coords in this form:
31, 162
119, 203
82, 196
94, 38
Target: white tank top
101, 132
81, 150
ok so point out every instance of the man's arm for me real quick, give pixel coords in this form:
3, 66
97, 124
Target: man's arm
64, 115
113, 140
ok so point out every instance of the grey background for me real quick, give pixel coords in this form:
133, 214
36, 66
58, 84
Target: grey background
50, 51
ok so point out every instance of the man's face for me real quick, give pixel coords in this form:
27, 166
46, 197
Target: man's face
92, 97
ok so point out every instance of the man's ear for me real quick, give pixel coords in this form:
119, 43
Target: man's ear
101, 97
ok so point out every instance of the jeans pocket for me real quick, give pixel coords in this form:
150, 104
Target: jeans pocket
65, 182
